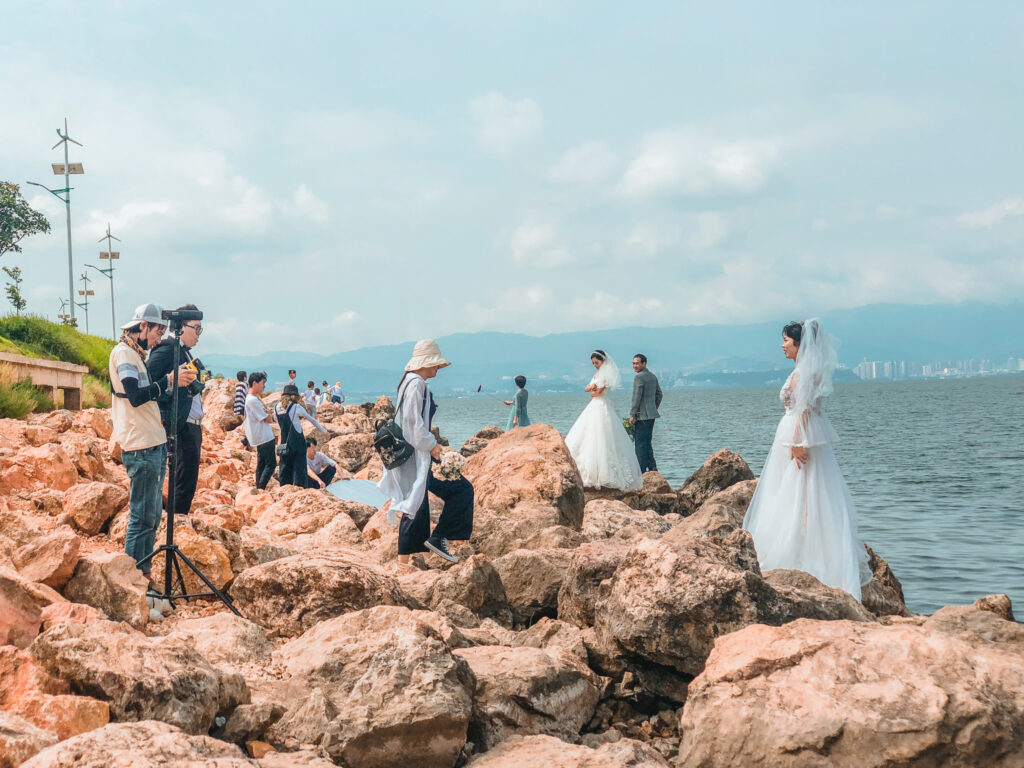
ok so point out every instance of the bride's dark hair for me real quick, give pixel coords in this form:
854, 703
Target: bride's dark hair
598, 354
794, 331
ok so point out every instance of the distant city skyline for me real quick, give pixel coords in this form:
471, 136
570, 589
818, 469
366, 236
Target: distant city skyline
327, 176
896, 370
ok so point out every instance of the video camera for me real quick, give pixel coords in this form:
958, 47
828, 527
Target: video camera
178, 317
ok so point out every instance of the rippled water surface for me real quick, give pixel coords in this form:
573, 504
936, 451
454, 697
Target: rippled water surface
936, 468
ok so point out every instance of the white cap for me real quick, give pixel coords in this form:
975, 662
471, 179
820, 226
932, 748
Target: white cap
146, 313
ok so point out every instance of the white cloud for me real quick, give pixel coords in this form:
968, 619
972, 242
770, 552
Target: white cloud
538, 245
502, 124
586, 165
308, 205
992, 215
605, 310
345, 131
670, 163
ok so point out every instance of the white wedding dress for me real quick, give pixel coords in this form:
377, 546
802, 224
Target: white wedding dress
804, 519
598, 442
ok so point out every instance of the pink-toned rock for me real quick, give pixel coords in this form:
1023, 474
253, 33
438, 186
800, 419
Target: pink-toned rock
148, 744
251, 503
210, 556
529, 464
110, 582
377, 688
479, 441
587, 577
290, 595
549, 752
548, 634
532, 578
498, 533
50, 559
86, 453
474, 583
225, 639
64, 714
59, 421
523, 691
813, 693
351, 451
20, 615
32, 469
721, 470
211, 497
91, 505
95, 420
221, 516
70, 613
140, 677
603, 518
20, 740
305, 512
384, 408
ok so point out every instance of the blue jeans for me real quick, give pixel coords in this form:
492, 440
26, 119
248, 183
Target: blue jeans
146, 468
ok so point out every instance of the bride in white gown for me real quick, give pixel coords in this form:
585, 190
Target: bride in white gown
802, 516
597, 441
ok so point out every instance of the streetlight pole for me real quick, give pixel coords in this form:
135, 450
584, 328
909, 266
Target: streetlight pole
66, 168
111, 255
86, 292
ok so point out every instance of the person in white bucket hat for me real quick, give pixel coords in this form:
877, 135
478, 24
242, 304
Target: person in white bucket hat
408, 484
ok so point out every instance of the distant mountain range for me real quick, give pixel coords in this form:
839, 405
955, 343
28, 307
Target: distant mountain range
689, 355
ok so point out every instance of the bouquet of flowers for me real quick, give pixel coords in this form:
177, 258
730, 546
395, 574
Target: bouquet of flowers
449, 467
629, 429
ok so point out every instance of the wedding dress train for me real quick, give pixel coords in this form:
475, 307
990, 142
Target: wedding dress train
598, 442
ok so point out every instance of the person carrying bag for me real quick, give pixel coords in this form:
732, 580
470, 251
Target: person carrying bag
292, 450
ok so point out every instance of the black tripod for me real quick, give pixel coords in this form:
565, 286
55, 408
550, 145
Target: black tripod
172, 553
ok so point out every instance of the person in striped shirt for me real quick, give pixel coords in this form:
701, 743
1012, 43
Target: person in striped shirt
241, 390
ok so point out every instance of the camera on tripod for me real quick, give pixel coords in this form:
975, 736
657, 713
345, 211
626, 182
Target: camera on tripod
176, 318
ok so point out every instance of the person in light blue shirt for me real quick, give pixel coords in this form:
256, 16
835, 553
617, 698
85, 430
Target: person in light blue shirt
518, 417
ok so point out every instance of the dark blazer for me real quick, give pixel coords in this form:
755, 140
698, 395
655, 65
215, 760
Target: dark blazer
646, 396
160, 363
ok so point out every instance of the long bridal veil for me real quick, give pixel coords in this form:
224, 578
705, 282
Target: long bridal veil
608, 375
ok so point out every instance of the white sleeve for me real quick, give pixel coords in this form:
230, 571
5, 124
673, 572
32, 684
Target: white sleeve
302, 413
414, 427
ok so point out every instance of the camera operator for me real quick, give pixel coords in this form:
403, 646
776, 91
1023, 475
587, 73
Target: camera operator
189, 429
138, 428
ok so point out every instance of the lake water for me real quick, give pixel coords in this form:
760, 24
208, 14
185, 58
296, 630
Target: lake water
936, 468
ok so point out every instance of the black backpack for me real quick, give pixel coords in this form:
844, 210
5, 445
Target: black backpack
389, 442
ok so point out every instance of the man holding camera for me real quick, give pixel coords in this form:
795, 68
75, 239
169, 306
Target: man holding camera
189, 429
138, 428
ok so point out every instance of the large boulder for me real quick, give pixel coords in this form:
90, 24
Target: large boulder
479, 441
377, 688
603, 518
290, 595
549, 752
474, 583
587, 577
50, 559
720, 471
532, 578
86, 453
148, 744
656, 495
815, 693
498, 533
91, 505
20, 740
32, 469
523, 691
20, 614
142, 678
110, 582
225, 639
351, 451
671, 597
529, 464
299, 514
209, 556
722, 513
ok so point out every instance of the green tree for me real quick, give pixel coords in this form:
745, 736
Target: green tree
18, 219
14, 289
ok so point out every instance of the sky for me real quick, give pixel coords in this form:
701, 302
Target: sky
323, 176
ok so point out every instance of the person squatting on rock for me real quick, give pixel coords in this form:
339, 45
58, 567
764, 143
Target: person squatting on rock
320, 468
408, 484
189, 429
258, 431
293, 443
643, 411
138, 428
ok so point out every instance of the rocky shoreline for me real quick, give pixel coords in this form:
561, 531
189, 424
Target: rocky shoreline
581, 629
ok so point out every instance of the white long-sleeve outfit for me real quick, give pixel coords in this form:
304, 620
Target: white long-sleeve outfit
406, 485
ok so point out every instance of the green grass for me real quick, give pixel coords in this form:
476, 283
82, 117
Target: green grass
34, 336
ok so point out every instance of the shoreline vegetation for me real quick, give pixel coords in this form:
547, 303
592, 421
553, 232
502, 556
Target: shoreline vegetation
580, 627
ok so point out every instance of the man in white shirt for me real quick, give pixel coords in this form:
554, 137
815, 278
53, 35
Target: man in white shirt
337, 396
320, 467
258, 431
309, 399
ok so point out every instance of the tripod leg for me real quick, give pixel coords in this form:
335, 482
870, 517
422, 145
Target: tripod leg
223, 598
181, 578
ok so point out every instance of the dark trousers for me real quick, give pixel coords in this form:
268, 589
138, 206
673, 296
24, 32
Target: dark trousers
186, 467
326, 476
266, 463
455, 523
293, 465
643, 433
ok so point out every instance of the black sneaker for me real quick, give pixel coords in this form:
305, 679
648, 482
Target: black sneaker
440, 548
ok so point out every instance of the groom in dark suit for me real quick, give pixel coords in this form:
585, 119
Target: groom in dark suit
643, 411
